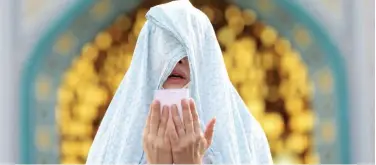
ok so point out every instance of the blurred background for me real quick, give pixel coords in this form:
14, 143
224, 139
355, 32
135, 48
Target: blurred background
304, 68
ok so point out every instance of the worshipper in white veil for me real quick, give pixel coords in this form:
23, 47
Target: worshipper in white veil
177, 48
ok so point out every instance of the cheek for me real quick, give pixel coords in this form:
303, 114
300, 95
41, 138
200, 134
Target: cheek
188, 71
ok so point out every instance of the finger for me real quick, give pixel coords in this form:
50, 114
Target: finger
177, 121
196, 121
187, 116
163, 121
155, 117
174, 137
209, 131
171, 134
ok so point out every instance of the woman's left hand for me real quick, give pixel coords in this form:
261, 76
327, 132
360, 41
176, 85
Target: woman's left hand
188, 142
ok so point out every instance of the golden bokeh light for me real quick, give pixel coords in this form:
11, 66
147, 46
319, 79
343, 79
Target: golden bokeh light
268, 73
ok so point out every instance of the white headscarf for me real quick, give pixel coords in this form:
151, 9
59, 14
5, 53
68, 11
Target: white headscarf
172, 31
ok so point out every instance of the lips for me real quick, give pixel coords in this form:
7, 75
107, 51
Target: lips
178, 78
177, 74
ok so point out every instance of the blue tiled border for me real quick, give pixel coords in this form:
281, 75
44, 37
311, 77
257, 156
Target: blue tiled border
337, 65
31, 71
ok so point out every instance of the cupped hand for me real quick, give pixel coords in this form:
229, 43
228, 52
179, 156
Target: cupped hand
188, 142
156, 143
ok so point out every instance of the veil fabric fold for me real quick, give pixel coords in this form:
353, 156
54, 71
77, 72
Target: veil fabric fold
172, 31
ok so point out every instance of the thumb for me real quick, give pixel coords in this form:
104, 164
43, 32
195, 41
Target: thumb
209, 131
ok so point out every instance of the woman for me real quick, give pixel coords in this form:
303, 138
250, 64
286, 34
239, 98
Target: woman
177, 48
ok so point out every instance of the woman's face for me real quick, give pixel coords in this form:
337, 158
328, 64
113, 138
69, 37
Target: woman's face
179, 77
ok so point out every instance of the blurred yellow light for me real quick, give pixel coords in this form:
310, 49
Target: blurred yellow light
226, 36
256, 107
268, 36
103, 40
232, 11
297, 143
294, 105
273, 125
302, 121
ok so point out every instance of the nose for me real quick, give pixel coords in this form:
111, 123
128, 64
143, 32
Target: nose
183, 61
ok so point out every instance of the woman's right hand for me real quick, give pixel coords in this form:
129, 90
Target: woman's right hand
156, 143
